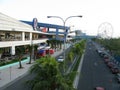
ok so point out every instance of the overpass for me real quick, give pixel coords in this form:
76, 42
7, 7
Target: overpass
58, 30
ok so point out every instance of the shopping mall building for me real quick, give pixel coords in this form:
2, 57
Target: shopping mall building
17, 33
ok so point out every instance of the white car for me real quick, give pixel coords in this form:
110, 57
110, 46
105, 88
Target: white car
44, 47
60, 59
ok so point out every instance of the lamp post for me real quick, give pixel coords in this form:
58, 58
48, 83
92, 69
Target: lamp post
64, 22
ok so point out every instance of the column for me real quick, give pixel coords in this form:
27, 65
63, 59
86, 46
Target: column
13, 50
31, 41
23, 36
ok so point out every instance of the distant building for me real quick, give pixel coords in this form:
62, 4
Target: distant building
79, 33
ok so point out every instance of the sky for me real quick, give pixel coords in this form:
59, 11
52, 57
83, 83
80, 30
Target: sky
95, 13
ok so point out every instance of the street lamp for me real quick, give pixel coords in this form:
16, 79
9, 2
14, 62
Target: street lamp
64, 22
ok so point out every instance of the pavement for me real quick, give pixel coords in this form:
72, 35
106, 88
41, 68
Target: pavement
10, 73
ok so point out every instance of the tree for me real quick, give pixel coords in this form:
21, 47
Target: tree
1, 51
48, 42
48, 76
30, 48
51, 43
35, 51
61, 44
54, 43
70, 56
19, 53
111, 44
79, 47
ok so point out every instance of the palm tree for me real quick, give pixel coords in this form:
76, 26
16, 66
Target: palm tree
61, 44
48, 76
78, 48
70, 55
35, 51
30, 48
52, 44
19, 53
48, 42
1, 51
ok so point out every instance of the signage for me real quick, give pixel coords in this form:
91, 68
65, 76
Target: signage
44, 29
35, 23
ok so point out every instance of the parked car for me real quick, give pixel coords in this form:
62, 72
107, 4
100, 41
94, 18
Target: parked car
41, 53
118, 77
115, 70
43, 46
101, 53
110, 64
60, 59
107, 60
106, 57
98, 51
99, 88
49, 51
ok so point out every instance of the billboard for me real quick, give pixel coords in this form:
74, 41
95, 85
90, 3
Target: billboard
35, 23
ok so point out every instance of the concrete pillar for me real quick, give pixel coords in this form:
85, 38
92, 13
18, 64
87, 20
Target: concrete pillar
23, 36
31, 41
12, 50
30, 36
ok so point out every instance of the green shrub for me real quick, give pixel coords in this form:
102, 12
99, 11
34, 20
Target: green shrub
10, 62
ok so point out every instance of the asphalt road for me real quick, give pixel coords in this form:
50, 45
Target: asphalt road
95, 73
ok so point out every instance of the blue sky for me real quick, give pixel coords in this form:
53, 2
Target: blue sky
95, 12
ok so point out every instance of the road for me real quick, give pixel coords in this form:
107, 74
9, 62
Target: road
94, 72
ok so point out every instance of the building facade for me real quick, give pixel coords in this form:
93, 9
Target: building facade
15, 33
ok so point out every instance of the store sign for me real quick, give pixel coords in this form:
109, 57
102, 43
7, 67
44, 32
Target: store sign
44, 29
35, 23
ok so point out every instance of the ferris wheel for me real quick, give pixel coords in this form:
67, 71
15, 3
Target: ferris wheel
105, 30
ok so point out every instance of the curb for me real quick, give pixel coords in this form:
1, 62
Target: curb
70, 68
76, 80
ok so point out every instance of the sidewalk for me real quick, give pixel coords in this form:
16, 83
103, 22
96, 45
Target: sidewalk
9, 74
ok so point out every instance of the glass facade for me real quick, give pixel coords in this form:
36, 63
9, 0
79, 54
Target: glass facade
36, 36
27, 36
10, 36
17, 36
